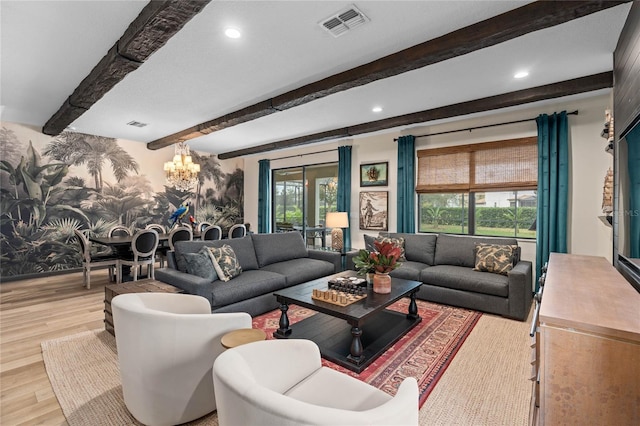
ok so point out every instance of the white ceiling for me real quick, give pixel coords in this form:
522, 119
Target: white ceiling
48, 47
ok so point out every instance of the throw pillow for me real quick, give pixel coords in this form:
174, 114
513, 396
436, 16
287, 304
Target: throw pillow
225, 262
397, 241
200, 264
494, 258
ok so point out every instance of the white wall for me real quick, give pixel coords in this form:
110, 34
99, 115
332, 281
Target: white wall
589, 163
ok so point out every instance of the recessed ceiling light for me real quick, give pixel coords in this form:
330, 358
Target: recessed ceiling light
376, 109
521, 74
232, 33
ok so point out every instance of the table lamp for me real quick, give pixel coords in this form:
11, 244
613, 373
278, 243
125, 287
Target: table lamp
337, 221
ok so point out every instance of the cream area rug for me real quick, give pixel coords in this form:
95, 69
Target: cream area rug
486, 383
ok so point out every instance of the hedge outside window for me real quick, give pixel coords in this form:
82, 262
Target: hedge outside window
480, 189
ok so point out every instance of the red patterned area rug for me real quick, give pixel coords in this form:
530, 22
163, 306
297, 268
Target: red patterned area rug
424, 353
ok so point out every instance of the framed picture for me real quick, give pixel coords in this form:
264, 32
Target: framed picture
374, 206
374, 174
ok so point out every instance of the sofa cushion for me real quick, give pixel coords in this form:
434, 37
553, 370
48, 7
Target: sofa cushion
272, 248
466, 279
245, 286
368, 242
418, 247
409, 270
299, 271
494, 258
225, 262
459, 250
243, 247
200, 264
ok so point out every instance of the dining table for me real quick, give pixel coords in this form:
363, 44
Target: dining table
313, 232
121, 246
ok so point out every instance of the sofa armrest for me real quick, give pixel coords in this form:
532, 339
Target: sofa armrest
329, 256
191, 284
520, 290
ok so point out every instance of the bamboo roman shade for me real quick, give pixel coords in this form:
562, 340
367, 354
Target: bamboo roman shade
507, 164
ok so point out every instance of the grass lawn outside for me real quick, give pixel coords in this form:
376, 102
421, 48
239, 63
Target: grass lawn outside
480, 230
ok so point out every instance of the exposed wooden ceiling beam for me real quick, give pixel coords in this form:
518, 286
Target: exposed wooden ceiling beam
152, 28
550, 91
515, 23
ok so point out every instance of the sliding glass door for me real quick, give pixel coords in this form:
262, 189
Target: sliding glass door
302, 197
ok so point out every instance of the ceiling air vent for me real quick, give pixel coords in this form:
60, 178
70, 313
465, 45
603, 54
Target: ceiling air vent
137, 124
344, 21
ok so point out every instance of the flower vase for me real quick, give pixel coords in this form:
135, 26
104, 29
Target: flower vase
381, 283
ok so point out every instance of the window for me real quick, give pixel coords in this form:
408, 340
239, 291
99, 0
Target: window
480, 189
302, 196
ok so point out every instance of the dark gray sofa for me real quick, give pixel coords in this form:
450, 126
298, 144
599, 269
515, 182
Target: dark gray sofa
269, 262
444, 264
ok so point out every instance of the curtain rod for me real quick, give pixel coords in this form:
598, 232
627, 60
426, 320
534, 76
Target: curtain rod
482, 127
300, 155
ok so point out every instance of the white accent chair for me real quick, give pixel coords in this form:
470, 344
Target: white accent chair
282, 382
167, 344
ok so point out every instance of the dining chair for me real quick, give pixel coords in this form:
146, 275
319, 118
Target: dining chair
119, 231
143, 247
237, 231
156, 227
203, 225
180, 233
161, 251
93, 261
212, 232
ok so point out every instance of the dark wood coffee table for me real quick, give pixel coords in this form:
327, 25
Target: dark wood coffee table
352, 336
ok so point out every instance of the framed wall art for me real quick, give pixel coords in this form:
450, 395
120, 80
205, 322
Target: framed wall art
374, 206
374, 174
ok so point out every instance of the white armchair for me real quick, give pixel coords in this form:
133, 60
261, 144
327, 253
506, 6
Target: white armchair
282, 382
166, 346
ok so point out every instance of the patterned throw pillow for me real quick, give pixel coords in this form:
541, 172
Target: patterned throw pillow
494, 258
200, 264
397, 241
225, 262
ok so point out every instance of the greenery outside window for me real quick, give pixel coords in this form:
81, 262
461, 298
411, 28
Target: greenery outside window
302, 196
480, 189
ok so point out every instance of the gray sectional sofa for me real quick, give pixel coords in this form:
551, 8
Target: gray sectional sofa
269, 262
444, 264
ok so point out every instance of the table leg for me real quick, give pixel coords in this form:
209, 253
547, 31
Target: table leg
355, 356
413, 307
283, 330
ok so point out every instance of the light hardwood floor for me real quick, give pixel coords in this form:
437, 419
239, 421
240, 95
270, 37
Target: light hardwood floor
32, 311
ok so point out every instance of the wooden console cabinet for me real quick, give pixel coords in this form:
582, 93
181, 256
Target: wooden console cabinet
588, 345
142, 286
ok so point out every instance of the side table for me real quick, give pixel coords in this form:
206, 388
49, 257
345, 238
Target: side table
242, 336
141, 286
346, 251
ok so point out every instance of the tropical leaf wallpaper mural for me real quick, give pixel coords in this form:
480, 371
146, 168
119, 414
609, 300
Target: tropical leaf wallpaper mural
50, 186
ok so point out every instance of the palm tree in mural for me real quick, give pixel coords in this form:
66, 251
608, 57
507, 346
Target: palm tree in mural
210, 169
93, 151
120, 203
234, 190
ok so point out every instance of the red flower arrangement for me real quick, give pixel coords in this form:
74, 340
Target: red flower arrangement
385, 258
